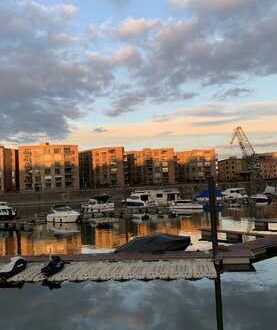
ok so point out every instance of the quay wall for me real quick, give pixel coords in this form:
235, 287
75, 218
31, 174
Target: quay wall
38, 202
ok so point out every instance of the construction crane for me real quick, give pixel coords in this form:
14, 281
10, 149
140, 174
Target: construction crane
251, 158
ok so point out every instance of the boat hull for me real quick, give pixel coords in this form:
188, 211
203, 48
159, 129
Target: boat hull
70, 218
185, 210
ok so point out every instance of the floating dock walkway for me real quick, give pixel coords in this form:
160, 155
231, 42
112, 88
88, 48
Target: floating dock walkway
121, 271
190, 265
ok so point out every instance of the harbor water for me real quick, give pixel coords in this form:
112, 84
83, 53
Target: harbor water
248, 299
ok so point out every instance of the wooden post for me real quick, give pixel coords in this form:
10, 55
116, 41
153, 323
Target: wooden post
213, 214
18, 241
127, 228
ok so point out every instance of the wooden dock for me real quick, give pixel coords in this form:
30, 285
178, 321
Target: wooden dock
190, 265
259, 249
231, 236
122, 271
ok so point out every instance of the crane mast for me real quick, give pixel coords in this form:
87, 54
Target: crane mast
251, 158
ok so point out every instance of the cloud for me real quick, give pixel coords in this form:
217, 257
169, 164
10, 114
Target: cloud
233, 93
126, 103
127, 56
208, 52
100, 130
44, 85
51, 76
210, 4
191, 126
132, 28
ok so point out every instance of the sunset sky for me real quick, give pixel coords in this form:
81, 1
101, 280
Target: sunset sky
180, 73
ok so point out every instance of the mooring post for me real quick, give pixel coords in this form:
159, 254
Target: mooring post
214, 222
218, 302
127, 228
213, 214
18, 241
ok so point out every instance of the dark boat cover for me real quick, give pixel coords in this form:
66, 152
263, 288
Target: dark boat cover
157, 243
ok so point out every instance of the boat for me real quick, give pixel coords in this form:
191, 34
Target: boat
98, 205
270, 190
7, 212
15, 266
157, 197
62, 229
63, 214
234, 194
260, 200
55, 265
185, 206
134, 202
157, 243
203, 197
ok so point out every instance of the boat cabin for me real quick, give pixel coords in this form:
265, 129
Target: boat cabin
159, 197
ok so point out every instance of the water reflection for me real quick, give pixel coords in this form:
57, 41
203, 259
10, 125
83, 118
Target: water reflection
249, 303
71, 239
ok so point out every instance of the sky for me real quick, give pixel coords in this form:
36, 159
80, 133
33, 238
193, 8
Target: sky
138, 73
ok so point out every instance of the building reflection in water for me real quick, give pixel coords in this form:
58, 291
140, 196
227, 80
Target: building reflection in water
68, 239
39, 242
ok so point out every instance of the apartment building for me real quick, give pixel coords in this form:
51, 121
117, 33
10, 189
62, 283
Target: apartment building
195, 165
47, 167
9, 170
102, 167
268, 162
232, 169
151, 166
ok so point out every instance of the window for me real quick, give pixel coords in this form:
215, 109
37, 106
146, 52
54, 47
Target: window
48, 183
57, 150
67, 150
58, 182
37, 179
47, 171
57, 171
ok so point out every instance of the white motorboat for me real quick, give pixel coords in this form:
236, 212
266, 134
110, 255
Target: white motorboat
63, 229
6, 212
271, 190
185, 206
260, 200
134, 202
98, 205
63, 214
234, 194
155, 197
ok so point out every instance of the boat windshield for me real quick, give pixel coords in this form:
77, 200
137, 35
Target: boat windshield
130, 203
62, 209
183, 201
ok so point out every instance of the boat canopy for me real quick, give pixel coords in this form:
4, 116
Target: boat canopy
205, 194
157, 243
